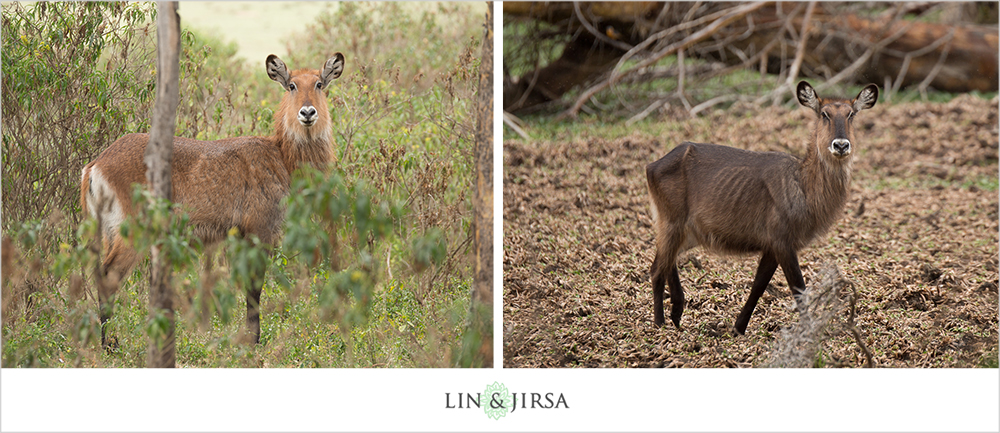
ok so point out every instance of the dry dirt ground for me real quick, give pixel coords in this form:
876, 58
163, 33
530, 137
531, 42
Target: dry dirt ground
917, 240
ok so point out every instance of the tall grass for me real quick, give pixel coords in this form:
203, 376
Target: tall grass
383, 282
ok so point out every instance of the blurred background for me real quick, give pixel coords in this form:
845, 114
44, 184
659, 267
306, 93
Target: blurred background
631, 59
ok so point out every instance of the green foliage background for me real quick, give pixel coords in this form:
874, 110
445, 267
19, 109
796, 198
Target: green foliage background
374, 270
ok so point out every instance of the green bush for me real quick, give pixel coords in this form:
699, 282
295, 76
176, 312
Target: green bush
75, 77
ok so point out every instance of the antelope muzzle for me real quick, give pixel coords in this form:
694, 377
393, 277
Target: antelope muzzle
308, 115
840, 147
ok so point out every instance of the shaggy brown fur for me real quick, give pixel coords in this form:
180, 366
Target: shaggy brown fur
736, 201
234, 182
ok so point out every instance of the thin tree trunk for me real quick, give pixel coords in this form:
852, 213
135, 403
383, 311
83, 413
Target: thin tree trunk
159, 154
482, 286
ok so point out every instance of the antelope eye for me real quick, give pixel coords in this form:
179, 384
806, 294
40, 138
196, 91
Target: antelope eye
291, 86
825, 115
319, 85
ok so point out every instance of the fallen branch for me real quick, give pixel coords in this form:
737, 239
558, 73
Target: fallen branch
801, 51
923, 51
696, 37
513, 122
834, 44
600, 36
922, 87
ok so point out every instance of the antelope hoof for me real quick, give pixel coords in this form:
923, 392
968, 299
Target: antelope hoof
741, 329
676, 311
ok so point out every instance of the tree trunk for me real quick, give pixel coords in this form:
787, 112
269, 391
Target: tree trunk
482, 285
159, 154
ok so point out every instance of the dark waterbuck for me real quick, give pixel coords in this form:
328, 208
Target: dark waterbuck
234, 182
731, 200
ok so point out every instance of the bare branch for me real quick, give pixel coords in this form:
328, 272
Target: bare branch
514, 123
600, 36
700, 35
937, 67
800, 52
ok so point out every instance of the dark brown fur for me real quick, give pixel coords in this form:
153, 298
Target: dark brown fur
234, 182
737, 201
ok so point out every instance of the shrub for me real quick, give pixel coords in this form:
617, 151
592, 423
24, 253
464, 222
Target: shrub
75, 77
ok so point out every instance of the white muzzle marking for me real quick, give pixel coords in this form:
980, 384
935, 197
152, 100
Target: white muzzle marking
307, 115
840, 147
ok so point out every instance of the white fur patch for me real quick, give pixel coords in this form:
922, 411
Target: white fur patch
101, 200
652, 210
303, 120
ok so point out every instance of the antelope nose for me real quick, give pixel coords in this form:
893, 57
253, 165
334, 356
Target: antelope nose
307, 115
840, 146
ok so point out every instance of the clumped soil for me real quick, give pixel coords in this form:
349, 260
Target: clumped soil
917, 239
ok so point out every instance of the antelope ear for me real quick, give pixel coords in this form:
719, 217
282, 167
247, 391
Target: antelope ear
332, 69
277, 70
867, 98
807, 96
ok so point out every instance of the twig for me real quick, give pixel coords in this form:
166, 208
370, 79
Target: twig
937, 67
670, 31
642, 115
691, 12
864, 57
733, 15
600, 36
662, 15
680, 80
933, 46
712, 102
531, 85
654, 73
849, 71
801, 51
725, 18
512, 122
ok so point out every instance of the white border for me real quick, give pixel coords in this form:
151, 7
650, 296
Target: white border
497, 184
414, 399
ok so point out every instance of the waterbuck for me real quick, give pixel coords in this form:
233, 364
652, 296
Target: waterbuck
234, 182
731, 200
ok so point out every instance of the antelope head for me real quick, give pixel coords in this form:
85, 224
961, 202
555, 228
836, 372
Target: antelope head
836, 115
305, 95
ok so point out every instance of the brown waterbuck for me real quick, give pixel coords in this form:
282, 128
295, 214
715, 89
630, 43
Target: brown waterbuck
736, 201
234, 182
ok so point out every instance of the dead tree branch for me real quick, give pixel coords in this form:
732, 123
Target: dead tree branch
671, 49
609, 43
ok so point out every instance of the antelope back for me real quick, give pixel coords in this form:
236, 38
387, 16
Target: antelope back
234, 182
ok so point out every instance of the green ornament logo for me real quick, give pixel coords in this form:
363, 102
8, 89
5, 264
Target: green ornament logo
498, 401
